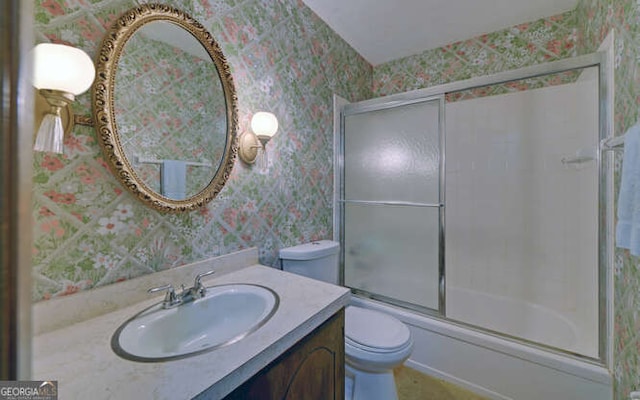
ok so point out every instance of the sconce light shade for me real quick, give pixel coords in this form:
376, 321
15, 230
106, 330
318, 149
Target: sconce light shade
263, 126
63, 68
60, 73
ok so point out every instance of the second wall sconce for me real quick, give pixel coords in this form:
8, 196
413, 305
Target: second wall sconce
60, 73
263, 126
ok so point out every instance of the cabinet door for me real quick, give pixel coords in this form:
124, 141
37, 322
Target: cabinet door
313, 369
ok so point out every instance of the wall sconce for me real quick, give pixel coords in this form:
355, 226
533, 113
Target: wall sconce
60, 73
263, 126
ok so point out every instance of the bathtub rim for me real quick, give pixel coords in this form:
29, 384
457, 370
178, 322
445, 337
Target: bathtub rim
574, 364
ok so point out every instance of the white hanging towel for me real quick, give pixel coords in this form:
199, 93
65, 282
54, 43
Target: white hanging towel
628, 226
173, 175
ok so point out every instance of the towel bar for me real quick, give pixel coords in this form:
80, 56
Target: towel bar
143, 160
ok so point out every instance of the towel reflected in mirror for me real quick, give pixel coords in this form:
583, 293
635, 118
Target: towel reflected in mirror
173, 175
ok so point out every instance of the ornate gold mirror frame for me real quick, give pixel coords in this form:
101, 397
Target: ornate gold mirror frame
105, 115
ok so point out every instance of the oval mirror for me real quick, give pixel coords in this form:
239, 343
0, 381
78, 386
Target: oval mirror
165, 108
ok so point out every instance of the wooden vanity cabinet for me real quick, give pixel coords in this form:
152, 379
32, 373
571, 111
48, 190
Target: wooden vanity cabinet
313, 369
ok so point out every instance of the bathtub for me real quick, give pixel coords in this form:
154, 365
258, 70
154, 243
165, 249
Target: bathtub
522, 319
496, 367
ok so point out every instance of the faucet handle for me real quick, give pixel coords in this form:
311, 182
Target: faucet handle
198, 289
200, 276
170, 298
168, 287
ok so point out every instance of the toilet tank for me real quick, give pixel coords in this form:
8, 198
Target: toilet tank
317, 260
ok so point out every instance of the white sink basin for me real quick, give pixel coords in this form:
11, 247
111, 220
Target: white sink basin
225, 315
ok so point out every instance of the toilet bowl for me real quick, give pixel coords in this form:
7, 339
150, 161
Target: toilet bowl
375, 342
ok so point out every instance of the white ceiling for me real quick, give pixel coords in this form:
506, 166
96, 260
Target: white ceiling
385, 30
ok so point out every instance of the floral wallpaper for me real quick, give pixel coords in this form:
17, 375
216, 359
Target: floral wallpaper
560, 78
88, 230
526, 44
595, 19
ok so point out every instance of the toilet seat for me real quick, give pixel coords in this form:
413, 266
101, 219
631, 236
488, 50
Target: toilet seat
375, 332
348, 342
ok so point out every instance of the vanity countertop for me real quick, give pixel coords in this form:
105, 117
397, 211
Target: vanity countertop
80, 357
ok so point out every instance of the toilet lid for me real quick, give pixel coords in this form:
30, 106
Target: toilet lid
374, 331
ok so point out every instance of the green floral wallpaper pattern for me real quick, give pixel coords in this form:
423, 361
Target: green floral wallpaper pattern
526, 44
88, 231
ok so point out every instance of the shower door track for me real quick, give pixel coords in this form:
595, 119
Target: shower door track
604, 63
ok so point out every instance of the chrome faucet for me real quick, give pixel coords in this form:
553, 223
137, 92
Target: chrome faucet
171, 299
197, 291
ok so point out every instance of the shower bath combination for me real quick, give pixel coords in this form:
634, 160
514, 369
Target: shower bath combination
479, 213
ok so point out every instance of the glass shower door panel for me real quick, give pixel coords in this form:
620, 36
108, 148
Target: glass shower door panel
522, 213
393, 251
393, 154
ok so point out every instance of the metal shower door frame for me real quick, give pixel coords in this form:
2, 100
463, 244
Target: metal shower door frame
354, 109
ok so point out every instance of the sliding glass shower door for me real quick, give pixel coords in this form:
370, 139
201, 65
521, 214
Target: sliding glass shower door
529, 203
391, 200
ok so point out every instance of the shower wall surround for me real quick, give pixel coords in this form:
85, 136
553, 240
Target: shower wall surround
89, 231
522, 227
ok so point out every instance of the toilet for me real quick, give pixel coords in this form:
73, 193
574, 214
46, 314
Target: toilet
375, 342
